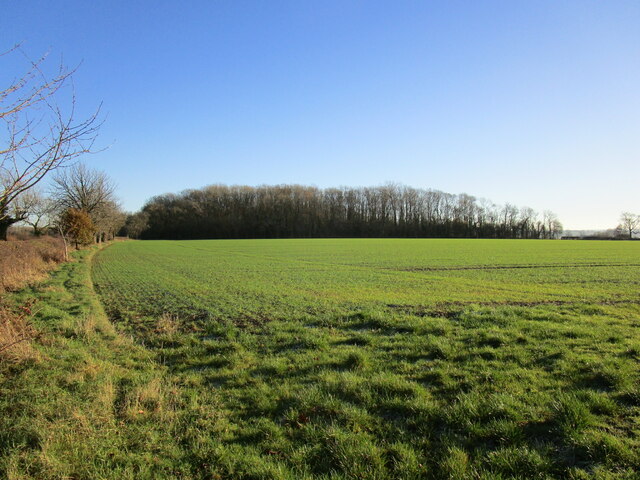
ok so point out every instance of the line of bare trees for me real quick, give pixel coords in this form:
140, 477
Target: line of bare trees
79, 196
281, 211
39, 136
39, 133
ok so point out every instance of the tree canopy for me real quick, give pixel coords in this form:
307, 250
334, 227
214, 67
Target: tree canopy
220, 211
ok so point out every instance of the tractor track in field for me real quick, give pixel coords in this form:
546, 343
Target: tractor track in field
454, 309
513, 267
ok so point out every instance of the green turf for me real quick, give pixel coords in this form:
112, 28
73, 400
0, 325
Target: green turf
392, 358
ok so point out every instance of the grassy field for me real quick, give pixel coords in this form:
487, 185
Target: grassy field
390, 358
329, 359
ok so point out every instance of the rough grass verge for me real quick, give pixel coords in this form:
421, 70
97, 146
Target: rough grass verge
92, 404
24, 262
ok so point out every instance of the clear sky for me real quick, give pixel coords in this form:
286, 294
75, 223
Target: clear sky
534, 103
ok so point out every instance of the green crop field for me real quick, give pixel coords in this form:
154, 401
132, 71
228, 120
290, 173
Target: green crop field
386, 358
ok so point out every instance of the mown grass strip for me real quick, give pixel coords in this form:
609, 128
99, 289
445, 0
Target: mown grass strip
91, 403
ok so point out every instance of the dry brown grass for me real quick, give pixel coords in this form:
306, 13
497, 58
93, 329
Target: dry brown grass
16, 333
168, 324
23, 262
157, 398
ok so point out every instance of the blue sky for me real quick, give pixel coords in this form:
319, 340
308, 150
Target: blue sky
534, 103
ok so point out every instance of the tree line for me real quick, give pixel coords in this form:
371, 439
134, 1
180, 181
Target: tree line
285, 211
80, 206
43, 138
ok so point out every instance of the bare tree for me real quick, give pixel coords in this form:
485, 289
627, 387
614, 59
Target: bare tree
39, 135
629, 223
39, 209
108, 219
21, 206
551, 225
136, 224
91, 191
82, 188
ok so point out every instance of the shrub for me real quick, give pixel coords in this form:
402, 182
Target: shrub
77, 226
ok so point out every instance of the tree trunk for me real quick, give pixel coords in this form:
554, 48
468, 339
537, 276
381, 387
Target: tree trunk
37, 232
5, 223
3, 230
66, 244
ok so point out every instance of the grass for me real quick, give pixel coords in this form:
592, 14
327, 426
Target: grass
23, 262
28, 261
91, 403
341, 359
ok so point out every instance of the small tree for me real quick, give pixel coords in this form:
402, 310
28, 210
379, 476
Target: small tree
91, 191
40, 210
629, 223
76, 225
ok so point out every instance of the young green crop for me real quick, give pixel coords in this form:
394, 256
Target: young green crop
392, 358
278, 278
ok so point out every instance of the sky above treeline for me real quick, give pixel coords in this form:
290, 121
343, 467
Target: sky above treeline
533, 103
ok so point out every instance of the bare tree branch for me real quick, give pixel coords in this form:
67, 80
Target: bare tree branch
39, 135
